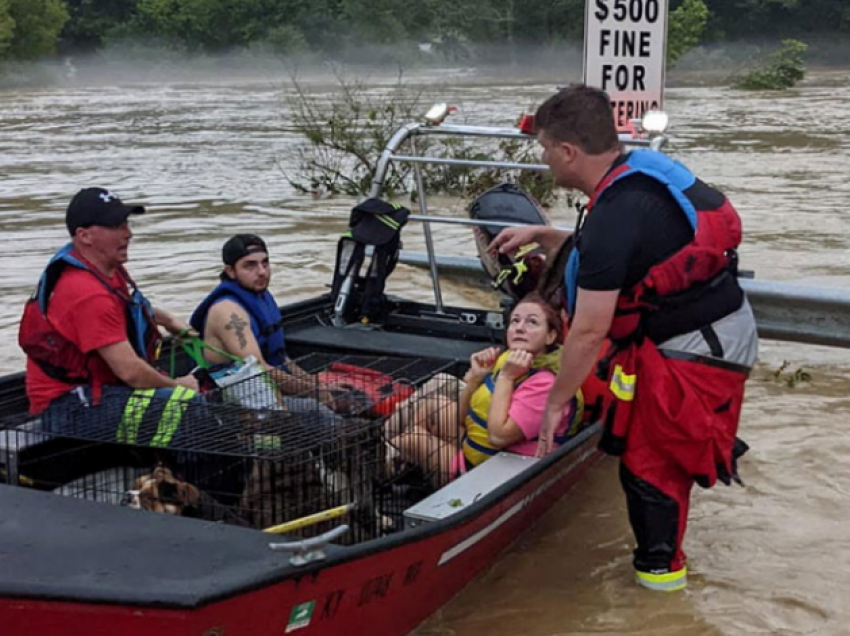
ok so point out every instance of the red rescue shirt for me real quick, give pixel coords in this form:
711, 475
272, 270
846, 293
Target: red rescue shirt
86, 313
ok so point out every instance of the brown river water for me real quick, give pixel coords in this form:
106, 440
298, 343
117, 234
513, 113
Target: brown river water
207, 159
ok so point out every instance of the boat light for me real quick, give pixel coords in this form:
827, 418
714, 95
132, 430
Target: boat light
654, 122
438, 113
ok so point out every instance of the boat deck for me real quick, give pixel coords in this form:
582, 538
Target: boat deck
51, 542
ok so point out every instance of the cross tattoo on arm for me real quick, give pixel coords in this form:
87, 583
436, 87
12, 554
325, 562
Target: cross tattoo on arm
237, 325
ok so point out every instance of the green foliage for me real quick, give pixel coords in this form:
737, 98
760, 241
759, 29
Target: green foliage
345, 133
36, 27
782, 70
219, 24
685, 27
461, 31
7, 28
377, 21
92, 21
285, 39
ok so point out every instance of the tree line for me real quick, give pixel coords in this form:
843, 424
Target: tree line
455, 29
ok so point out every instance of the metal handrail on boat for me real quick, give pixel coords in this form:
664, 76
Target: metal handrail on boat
784, 311
409, 133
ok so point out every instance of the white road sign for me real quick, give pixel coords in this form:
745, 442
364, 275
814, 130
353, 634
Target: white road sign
625, 47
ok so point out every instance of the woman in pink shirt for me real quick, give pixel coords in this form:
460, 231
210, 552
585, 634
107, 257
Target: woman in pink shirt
502, 400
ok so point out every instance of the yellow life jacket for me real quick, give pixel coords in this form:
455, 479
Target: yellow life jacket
476, 443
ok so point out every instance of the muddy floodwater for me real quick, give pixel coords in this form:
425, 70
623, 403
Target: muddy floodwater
208, 159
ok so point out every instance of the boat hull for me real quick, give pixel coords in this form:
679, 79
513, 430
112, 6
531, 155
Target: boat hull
387, 587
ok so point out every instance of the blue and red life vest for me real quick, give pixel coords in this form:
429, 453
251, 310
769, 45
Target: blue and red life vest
60, 358
717, 234
685, 406
266, 320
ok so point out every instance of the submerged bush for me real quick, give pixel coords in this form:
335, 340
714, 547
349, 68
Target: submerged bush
345, 133
782, 70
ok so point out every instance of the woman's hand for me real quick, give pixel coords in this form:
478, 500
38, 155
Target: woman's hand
517, 364
480, 364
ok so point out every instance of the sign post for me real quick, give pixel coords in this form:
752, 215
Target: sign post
625, 54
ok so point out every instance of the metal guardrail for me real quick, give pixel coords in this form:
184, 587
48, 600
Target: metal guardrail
784, 311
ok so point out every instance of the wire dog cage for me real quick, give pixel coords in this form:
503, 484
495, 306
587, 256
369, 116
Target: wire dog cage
244, 453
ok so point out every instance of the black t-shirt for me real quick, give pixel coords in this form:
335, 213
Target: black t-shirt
633, 226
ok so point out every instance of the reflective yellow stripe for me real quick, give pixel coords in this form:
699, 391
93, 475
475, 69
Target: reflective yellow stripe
623, 385
134, 411
667, 582
572, 429
172, 413
389, 222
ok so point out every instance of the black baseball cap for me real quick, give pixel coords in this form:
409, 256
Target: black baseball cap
96, 206
241, 246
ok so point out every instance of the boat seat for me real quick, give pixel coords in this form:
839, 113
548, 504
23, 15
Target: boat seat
467, 489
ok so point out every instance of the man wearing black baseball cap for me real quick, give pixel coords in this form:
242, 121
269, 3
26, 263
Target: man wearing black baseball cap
97, 207
241, 316
88, 332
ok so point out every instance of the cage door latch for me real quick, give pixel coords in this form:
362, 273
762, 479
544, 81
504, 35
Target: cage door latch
309, 550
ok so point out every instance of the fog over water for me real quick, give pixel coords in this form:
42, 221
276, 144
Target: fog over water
206, 155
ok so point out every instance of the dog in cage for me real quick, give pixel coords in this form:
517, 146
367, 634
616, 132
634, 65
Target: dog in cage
160, 491
295, 475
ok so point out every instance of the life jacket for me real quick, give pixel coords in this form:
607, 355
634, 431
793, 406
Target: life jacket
60, 358
356, 295
359, 389
476, 443
686, 406
266, 319
710, 256
516, 274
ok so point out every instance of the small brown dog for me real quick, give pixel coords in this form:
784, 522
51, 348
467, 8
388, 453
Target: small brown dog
161, 491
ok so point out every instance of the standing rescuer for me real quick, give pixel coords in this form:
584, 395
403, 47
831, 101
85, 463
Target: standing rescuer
654, 270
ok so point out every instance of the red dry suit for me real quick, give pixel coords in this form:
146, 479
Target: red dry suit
671, 415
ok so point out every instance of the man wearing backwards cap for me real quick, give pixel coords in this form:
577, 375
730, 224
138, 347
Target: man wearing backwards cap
89, 334
241, 317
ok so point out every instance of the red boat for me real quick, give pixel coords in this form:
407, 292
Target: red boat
70, 565
82, 567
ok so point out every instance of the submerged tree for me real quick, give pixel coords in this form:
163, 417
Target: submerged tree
345, 133
782, 70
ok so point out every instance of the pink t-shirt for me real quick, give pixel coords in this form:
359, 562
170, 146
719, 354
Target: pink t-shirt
527, 406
